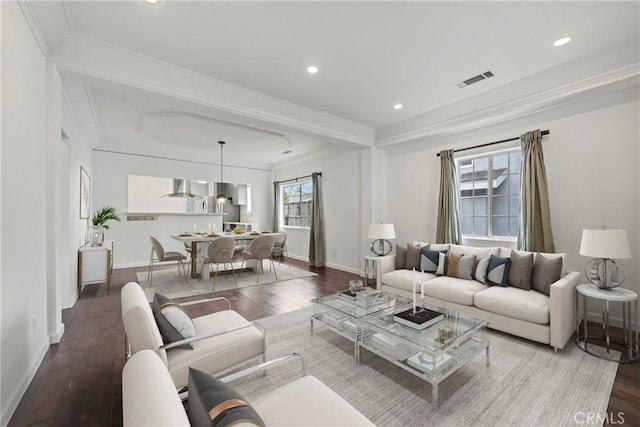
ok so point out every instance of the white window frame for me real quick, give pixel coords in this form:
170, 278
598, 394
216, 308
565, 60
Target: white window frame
490, 236
281, 203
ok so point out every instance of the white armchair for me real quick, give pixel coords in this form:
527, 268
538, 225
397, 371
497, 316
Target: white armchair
148, 398
222, 339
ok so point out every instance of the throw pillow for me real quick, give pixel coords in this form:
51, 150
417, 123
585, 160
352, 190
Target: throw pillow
413, 256
452, 266
480, 269
433, 261
465, 267
546, 271
520, 270
498, 271
212, 402
173, 322
401, 257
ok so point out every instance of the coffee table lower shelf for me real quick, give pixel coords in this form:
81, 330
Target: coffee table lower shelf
463, 356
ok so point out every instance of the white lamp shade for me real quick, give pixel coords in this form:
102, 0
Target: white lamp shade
612, 244
381, 231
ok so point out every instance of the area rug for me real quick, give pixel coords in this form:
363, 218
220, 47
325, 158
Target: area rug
169, 284
526, 384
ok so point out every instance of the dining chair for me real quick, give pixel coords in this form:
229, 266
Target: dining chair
220, 251
279, 247
259, 250
158, 254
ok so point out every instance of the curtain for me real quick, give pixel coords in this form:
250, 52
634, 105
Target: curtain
316, 232
448, 228
276, 206
535, 217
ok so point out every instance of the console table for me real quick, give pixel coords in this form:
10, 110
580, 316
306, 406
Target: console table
95, 265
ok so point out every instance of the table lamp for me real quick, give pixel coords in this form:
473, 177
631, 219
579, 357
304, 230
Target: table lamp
381, 233
604, 245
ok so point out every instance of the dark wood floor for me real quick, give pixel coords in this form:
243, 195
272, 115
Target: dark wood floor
79, 381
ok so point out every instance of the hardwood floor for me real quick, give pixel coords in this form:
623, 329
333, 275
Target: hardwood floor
79, 381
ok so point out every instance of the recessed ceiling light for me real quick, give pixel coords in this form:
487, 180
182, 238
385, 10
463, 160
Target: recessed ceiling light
287, 152
562, 41
312, 69
398, 107
151, 1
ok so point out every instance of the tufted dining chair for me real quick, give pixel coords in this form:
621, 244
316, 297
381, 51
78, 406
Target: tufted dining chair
259, 250
158, 254
220, 251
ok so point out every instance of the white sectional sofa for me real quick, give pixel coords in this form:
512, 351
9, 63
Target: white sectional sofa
530, 314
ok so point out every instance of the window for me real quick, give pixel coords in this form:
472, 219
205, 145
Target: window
490, 194
295, 202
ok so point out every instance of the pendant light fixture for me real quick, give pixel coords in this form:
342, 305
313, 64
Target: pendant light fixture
221, 197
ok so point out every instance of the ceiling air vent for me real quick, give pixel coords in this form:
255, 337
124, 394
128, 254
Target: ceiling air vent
475, 79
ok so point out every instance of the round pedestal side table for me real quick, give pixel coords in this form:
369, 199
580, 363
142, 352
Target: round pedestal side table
629, 300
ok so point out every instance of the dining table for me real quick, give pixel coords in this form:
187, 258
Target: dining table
196, 238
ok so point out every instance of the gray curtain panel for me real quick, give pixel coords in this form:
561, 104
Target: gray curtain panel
448, 228
276, 206
317, 256
535, 217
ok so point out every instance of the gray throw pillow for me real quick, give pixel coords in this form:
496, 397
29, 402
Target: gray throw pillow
520, 270
546, 271
214, 403
174, 324
498, 271
413, 256
401, 257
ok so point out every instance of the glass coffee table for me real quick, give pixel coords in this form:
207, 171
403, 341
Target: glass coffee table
341, 312
433, 353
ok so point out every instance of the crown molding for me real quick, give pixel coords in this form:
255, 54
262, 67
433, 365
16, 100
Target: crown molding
513, 109
76, 119
312, 158
34, 27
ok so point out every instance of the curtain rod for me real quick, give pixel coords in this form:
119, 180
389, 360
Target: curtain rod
544, 132
300, 177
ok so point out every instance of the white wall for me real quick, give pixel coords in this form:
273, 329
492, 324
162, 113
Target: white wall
341, 194
591, 160
131, 238
24, 247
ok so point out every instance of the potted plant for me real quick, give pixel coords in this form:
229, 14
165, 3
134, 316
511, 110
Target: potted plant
99, 220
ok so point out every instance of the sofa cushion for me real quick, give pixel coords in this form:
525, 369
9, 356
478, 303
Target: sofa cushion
443, 247
498, 271
461, 266
546, 271
214, 403
403, 279
520, 270
173, 322
433, 261
413, 255
452, 289
530, 306
401, 257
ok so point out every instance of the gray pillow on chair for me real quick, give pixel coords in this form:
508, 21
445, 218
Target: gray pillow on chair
173, 322
214, 403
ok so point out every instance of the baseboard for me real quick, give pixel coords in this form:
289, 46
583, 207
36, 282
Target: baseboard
14, 400
343, 268
613, 321
57, 336
298, 258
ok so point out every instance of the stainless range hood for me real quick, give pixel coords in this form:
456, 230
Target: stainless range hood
181, 189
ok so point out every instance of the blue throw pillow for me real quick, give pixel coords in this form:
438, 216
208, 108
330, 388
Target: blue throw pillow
498, 271
433, 261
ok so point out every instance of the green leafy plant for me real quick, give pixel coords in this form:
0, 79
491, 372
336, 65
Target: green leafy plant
104, 214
